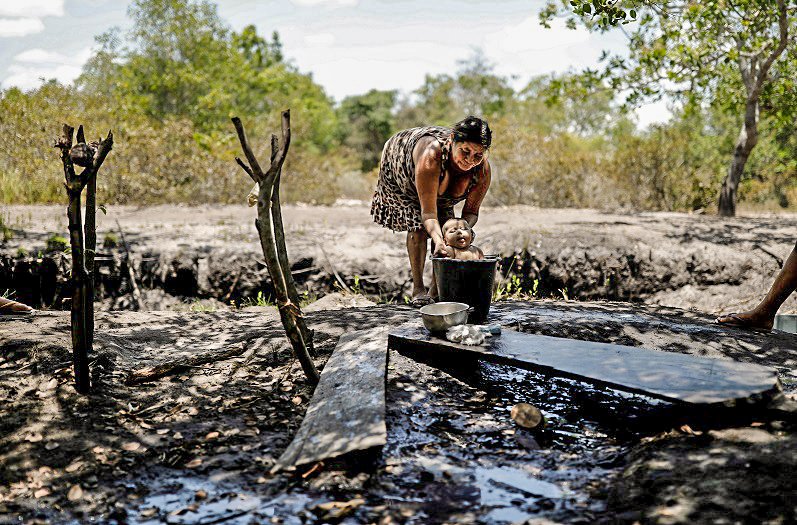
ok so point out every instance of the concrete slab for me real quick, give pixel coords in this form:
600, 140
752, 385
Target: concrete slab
669, 376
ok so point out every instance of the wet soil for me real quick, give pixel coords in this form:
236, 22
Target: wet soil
210, 255
197, 447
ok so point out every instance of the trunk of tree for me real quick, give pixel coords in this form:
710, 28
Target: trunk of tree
81, 344
83, 241
748, 138
272, 241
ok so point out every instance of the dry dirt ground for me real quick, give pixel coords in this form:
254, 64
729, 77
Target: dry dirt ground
671, 259
197, 446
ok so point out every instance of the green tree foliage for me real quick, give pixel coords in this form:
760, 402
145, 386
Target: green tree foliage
168, 86
443, 99
367, 121
698, 51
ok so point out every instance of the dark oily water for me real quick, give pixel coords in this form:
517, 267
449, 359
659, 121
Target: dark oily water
453, 455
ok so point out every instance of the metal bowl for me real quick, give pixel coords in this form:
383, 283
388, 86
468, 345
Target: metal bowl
439, 317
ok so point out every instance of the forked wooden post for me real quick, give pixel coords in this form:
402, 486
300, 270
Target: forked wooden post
82, 240
272, 241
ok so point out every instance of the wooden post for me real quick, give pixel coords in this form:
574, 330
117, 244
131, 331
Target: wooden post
272, 241
82, 240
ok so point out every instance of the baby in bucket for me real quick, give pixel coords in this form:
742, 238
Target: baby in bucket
458, 236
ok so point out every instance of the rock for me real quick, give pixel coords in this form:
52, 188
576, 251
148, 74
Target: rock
526, 415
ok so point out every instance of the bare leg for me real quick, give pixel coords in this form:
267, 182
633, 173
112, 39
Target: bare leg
433, 293
763, 315
416, 249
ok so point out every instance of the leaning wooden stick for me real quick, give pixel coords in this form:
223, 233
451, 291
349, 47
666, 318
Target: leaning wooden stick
90, 157
272, 242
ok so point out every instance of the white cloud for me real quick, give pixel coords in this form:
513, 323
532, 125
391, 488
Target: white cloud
32, 8
40, 56
30, 77
330, 3
33, 65
529, 35
10, 27
320, 39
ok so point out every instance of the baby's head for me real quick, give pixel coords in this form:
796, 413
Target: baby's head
458, 234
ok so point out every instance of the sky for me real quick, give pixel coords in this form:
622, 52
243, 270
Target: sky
349, 46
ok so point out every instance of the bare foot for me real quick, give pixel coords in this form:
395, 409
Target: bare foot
751, 319
9, 307
420, 298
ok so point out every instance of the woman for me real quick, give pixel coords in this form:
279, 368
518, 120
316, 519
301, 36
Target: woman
423, 173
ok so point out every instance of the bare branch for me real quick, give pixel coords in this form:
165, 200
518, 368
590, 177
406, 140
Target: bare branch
782, 43
246, 168
239, 128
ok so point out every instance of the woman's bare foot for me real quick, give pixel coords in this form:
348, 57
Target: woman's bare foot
751, 319
420, 298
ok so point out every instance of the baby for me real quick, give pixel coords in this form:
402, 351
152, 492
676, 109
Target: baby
458, 236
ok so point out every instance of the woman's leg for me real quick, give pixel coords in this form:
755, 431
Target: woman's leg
763, 315
416, 249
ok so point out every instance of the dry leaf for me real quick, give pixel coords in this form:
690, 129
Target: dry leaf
74, 467
200, 495
296, 400
193, 463
75, 493
212, 435
98, 450
131, 446
193, 411
162, 431
42, 492
177, 435
148, 513
49, 385
34, 437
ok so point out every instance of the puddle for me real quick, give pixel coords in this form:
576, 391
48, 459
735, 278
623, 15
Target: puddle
175, 502
511, 488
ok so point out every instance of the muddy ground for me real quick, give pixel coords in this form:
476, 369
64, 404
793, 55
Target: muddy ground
196, 447
209, 256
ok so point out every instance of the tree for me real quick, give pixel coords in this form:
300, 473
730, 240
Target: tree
686, 49
444, 99
366, 123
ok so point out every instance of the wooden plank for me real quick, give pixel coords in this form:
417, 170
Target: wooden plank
663, 375
347, 411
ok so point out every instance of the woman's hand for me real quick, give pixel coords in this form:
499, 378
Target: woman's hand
441, 250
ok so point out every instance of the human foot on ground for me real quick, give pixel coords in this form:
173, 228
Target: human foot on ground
9, 307
420, 298
751, 319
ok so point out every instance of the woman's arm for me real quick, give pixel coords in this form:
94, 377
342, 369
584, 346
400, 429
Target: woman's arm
428, 160
470, 212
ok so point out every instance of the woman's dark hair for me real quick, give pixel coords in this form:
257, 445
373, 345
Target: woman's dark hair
473, 129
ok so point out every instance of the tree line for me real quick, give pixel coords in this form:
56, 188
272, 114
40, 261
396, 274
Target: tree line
168, 86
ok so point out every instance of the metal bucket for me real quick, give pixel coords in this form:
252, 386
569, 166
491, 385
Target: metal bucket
469, 282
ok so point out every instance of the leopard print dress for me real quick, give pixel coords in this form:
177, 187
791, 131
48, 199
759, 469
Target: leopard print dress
396, 204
